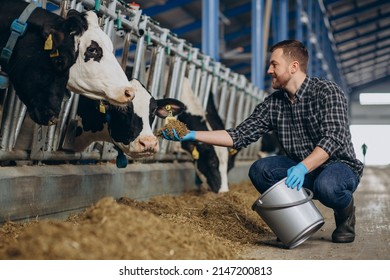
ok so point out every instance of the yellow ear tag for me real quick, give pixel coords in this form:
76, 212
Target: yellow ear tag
54, 54
195, 153
48, 43
102, 108
232, 152
170, 114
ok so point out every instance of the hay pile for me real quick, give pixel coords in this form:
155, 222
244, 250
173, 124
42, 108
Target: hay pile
195, 225
181, 128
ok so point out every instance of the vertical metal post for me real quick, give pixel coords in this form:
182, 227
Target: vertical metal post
182, 73
138, 57
266, 30
223, 102
204, 81
257, 75
283, 26
215, 84
309, 44
275, 23
241, 99
19, 124
298, 21
126, 46
174, 79
192, 56
110, 23
232, 102
154, 83
317, 32
66, 108
210, 28
250, 100
64, 8
6, 128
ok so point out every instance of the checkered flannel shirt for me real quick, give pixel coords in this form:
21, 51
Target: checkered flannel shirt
318, 117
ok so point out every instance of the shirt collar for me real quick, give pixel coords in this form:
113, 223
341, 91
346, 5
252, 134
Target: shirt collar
301, 90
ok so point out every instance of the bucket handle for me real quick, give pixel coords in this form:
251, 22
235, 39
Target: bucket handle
295, 203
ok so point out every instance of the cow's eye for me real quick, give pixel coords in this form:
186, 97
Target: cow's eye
92, 50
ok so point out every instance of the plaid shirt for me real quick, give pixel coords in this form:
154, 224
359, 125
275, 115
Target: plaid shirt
318, 117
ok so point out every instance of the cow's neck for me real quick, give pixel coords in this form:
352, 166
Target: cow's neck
18, 28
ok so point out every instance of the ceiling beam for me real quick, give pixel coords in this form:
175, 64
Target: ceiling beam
359, 57
377, 42
362, 37
361, 24
362, 9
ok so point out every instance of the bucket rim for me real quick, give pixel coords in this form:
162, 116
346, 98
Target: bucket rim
258, 203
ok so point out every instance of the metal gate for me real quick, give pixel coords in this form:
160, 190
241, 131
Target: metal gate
140, 43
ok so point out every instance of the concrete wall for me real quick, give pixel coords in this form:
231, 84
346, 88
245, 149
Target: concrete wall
30, 192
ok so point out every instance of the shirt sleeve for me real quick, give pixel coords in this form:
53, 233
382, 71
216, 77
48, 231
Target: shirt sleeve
334, 119
253, 127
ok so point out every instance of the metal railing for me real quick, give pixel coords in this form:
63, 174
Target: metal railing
170, 60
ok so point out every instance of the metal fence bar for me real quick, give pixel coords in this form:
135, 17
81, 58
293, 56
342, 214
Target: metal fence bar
171, 59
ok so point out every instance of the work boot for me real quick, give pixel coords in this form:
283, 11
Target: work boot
345, 224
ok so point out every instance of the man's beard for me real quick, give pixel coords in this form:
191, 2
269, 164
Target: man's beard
278, 84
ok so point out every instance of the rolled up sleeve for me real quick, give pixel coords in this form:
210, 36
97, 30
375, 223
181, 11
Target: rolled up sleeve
252, 128
334, 123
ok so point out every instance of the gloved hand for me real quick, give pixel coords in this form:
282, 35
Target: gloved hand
190, 136
296, 176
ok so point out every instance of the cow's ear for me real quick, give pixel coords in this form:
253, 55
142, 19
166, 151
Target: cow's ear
53, 41
168, 106
75, 23
53, 38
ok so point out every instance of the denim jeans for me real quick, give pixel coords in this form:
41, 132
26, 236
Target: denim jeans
333, 185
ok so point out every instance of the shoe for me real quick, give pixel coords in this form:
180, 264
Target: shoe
345, 224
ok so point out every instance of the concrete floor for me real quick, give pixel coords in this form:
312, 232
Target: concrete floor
372, 242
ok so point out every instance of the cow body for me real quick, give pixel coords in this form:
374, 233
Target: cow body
129, 128
55, 54
270, 145
212, 163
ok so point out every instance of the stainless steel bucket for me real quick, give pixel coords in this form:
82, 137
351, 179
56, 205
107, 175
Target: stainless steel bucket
290, 214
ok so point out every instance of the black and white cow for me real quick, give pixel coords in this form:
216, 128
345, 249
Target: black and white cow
212, 163
270, 146
56, 55
129, 128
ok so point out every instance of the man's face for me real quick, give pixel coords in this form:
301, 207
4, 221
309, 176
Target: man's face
279, 69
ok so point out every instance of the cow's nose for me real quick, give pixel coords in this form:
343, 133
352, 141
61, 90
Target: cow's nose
148, 143
129, 93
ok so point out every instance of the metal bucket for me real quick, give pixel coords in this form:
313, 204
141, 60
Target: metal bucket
290, 214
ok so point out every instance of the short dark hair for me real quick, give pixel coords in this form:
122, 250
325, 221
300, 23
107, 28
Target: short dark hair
294, 50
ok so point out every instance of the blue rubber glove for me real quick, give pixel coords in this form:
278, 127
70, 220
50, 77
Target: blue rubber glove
296, 176
190, 136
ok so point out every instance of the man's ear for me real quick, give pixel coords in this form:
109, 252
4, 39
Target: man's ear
294, 67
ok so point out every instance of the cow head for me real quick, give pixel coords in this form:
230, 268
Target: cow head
129, 128
97, 74
40, 75
131, 131
212, 163
42, 58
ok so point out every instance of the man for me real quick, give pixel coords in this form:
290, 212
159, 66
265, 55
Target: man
309, 116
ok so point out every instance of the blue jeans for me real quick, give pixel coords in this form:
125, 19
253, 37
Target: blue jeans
333, 185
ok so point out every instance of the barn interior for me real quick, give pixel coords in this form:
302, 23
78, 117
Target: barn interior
221, 44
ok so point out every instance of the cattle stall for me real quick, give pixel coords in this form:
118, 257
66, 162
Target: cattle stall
158, 59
